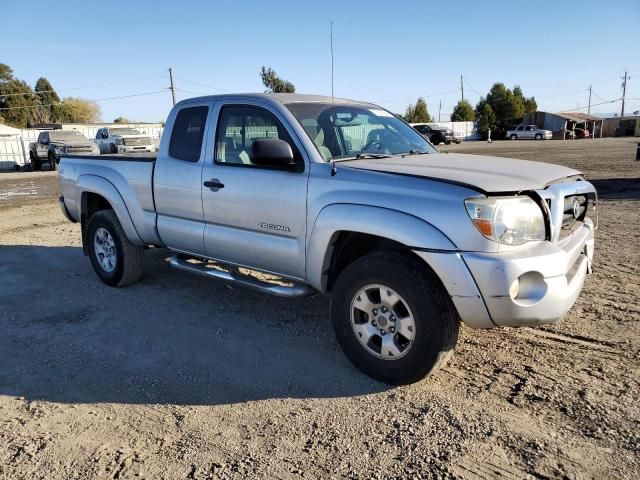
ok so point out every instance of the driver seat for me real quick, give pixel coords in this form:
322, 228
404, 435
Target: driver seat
316, 134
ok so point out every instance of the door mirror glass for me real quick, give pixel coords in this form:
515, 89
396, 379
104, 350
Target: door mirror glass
271, 152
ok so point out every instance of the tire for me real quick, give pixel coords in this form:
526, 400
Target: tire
112, 148
538, 136
127, 265
35, 163
421, 296
513, 136
52, 161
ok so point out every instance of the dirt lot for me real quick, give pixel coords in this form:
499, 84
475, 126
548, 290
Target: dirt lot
179, 377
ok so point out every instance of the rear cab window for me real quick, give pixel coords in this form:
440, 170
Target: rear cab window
187, 133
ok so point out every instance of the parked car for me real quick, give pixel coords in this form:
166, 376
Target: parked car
53, 143
406, 240
436, 134
529, 132
582, 132
123, 140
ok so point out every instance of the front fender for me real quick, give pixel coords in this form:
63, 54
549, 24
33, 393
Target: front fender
383, 222
106, 189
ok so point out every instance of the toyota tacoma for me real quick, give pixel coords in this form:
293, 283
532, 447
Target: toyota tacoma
341, 197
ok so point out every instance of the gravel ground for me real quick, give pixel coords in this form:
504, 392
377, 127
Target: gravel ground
179, 377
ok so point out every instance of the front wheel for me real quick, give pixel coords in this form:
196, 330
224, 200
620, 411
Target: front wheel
514, 137
52, 161
393, 318
35, 163
538, 136
116, 260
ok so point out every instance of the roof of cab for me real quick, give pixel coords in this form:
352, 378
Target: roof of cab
283, 98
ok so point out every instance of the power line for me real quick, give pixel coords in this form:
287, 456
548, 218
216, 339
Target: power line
92, 100
201, 84
592, 105
98, 85
471, 87
561, 94
420, 96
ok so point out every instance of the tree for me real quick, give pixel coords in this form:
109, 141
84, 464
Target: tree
47, 97
485, 117
418, 113
123, 120
76, 110
463, 112
17, 100
274, 83
509, 107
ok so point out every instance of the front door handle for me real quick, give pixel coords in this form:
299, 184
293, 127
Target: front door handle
213, 183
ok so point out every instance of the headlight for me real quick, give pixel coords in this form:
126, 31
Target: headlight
508, 220
118, 141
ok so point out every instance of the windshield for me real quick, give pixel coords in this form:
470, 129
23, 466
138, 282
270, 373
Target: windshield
124, 131
353, 131
66, 136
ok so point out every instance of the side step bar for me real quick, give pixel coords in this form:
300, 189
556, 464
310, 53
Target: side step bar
194, 265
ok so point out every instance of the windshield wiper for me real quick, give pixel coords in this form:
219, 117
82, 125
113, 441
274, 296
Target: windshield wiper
371, 155
414, 152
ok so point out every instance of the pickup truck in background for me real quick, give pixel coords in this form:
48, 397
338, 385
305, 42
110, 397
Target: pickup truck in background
342, 197
123, 140
53, 143
436, 134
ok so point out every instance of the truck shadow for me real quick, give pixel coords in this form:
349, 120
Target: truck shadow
171, 338
617, 188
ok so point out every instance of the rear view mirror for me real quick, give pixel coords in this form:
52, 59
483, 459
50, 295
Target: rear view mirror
271, 152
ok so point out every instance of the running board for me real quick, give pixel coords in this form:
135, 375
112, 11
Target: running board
215, 270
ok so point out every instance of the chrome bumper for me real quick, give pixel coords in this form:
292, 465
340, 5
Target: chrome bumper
136, 148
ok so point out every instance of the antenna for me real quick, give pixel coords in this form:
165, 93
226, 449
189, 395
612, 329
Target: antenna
333, 163
331, 43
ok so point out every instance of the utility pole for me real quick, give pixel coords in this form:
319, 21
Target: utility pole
589, 109
439, 110
461, 87
173, 88
624, 90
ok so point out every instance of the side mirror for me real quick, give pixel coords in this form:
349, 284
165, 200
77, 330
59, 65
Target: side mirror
271, 152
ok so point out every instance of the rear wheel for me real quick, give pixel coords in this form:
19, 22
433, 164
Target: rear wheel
514, 136
393, 318
116, 260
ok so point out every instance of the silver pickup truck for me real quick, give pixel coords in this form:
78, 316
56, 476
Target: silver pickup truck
294, 194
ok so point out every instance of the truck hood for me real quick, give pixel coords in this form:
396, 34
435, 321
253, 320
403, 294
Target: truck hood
489, 174
81, 143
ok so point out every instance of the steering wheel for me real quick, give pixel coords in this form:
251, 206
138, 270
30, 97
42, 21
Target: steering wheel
371, 144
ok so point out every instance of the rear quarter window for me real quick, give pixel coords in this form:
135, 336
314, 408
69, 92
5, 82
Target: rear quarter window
187, 133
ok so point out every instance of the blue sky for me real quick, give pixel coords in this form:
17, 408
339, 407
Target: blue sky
386, 52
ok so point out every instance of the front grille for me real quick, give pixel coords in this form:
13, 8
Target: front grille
137, 141
78, 149
574, 212
570, 203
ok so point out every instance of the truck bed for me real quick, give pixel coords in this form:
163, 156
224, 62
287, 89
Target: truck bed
129, 177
